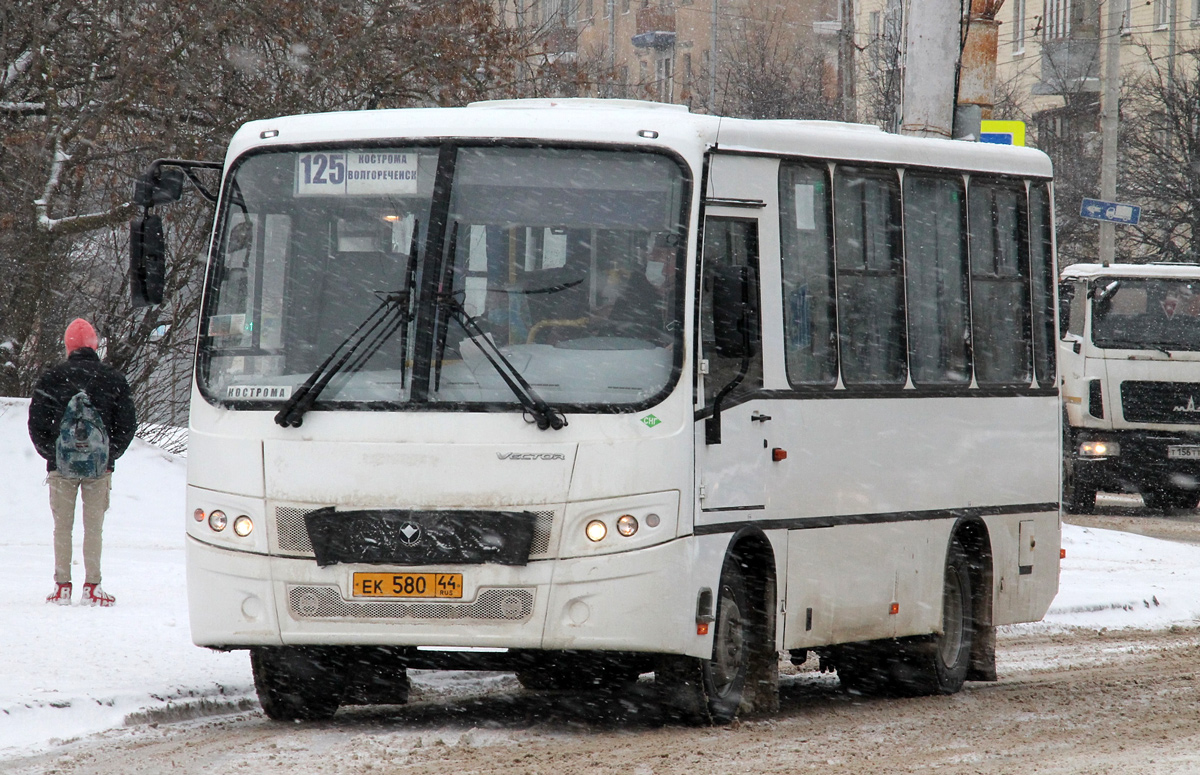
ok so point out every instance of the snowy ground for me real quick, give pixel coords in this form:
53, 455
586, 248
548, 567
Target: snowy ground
74, 671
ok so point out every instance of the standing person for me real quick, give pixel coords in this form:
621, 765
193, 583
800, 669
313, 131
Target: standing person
81, 419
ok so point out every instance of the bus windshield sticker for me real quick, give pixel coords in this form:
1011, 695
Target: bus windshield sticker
258, 392
228, 325
356, 173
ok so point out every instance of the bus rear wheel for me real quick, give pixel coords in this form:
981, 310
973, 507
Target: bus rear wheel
938, 664
296, 683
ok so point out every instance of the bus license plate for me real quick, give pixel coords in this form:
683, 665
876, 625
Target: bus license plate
408, 585
1184, 453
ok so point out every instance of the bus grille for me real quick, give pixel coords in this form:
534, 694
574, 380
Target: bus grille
1174, 403
293, 533
309, 602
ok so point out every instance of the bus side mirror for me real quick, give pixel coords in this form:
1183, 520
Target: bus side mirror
735, 311
159, 187
147, 261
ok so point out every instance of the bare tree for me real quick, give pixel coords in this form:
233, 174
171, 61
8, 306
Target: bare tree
1160, 141
767, 74
92, 90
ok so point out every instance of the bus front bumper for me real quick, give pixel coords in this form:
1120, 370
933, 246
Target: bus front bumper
637, 601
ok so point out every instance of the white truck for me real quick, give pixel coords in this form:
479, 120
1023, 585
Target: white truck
1129, 355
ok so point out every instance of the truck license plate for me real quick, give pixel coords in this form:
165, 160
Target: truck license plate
408, 585
1184, 453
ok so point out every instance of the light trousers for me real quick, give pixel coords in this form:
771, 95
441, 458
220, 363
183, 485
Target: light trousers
62, 505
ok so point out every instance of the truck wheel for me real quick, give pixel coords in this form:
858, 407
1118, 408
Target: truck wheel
1170, 498
1077, 497
296, 683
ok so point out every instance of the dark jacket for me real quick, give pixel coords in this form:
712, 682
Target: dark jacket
109, 394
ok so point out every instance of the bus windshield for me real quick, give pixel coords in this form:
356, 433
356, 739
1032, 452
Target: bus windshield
563, 258
1146, 314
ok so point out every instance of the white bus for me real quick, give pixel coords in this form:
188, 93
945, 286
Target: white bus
590, 389
1130, 355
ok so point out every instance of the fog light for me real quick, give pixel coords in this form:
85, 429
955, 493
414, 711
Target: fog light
243, 525
199, 515
627, 525
596, 530
217, 520
652, 520
1099, 449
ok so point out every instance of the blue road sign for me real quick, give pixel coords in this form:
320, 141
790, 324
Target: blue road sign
1114, 212
996, 138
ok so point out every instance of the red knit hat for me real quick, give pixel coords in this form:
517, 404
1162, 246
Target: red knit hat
80, 334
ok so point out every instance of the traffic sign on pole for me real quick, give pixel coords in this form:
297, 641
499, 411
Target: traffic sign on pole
1002, 132
1113, 212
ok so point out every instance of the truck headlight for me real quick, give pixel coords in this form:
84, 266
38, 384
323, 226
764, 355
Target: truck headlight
1099, 449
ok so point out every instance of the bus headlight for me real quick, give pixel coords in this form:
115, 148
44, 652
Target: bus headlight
627, 525
217, 520
1099, 449
596, 530
243, 525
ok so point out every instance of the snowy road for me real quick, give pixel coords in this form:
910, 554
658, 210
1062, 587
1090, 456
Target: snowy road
1067, 702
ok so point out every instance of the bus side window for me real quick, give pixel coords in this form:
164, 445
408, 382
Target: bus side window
1041, 265
999, 283
810, 341
727, 242
936, 276
870, 279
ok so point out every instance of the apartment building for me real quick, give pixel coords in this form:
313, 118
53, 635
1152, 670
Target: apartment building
702, 53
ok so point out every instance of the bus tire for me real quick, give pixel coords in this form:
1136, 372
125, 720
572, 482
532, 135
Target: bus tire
710, 691
938, 664
296, 683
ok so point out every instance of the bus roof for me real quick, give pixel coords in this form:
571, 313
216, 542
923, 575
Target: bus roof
635, 123
1160, 269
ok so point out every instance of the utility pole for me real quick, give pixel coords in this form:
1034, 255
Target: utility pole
1109, 123
846, 61
977, 74
712, 64
930, 68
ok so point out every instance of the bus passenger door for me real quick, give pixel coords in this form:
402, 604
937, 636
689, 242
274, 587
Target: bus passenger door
730, 457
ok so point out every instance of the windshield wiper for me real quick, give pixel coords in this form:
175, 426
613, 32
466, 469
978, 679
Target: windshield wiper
393, 312
545, 415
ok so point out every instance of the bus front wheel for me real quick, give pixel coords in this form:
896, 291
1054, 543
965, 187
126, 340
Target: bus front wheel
711, 690
297, 683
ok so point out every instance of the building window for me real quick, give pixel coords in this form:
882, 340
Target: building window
1018, 26
1058, 19
1162, 14
665, 75
1127, 18
624, 6
608, 8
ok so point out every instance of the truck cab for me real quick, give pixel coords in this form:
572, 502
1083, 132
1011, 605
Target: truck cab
1129, 355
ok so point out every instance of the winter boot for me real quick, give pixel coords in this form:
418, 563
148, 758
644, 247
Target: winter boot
61, 594
94, 595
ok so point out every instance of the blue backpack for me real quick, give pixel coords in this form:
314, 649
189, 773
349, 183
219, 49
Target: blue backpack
81, 451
